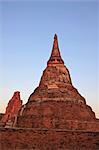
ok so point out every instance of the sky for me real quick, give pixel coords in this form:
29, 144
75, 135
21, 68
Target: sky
27, 29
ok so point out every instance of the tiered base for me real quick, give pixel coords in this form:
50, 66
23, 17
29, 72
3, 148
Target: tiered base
57, 115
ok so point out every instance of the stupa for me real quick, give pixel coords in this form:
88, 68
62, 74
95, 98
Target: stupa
56, 103
56, 116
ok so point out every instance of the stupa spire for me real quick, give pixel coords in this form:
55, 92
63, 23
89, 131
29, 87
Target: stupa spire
55, 44
55, 57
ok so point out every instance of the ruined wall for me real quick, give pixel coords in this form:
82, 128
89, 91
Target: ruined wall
12, 109
30, 139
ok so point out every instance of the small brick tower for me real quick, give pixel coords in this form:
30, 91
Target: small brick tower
14, 105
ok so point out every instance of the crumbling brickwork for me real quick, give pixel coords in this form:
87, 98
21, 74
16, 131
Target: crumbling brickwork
12, 109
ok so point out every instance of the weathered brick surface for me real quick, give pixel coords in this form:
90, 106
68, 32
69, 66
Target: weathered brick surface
51, 114
43, 139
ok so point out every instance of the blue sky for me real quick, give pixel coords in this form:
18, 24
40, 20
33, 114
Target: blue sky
26, 36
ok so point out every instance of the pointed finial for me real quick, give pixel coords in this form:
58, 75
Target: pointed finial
55, 57
55, 36
55, 44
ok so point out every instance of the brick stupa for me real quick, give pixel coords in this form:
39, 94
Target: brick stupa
56, 103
